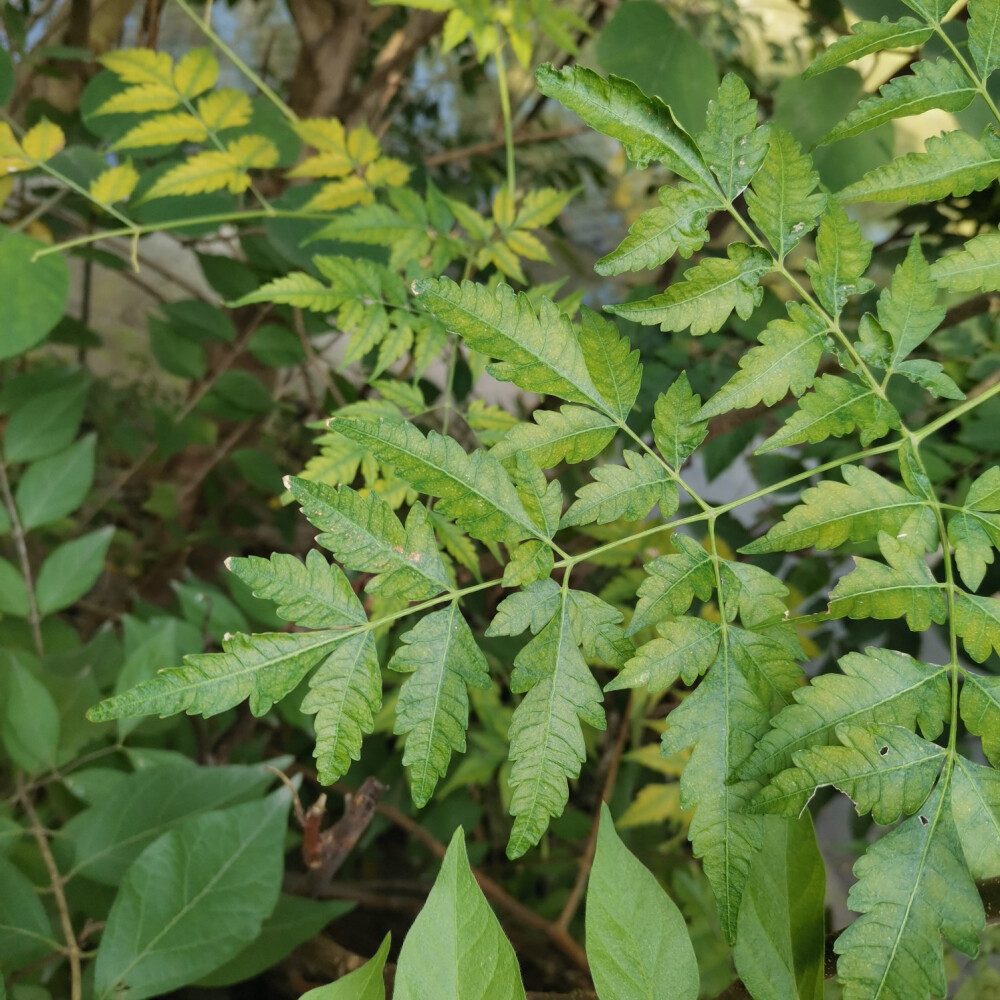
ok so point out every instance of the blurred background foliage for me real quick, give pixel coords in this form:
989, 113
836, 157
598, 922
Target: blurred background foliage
146, 429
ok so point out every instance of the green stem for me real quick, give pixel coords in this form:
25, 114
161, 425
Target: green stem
508, 122
253, 77
978, 83
955, 413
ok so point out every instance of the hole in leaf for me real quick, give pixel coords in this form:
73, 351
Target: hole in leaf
883, 751
924, 820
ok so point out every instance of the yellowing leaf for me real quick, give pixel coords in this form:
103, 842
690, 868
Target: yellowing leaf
387, 172
115, 184
362, 146
139, 65
340, 194
526, 244
163, 130
196, 72
503, 208
253, 151
141, 99
43, 141
325, 134
655, 804
225, 108
12, 157
203, 173
330, 163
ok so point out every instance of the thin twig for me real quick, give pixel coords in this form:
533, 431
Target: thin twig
34, 619
314, 360
490, 145
72, 945
587, 858
492, 890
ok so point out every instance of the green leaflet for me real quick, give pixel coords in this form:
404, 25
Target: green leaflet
905, 587
570, 434
913, 886
546, 739
930, 375
878, 686
312, 594
433, 707
751, 592
707, 296
723, 719
832, 513
984, 35
345, 694
785, 361
974, 269
366, 536
538, 353
984, 493
595, 626
973, 547
672, 583
380, 225
262, 668
930, 10
676, 225
939, 84
980, 707
868, 37
533, 607
834, 408
625, 492
617, 108
783, 201
907, 309
977, 622
612, 364
542, 499
732, 144
676, 430
952, 164
687, 647
474, 489
842, 257
885, 770
975, 804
